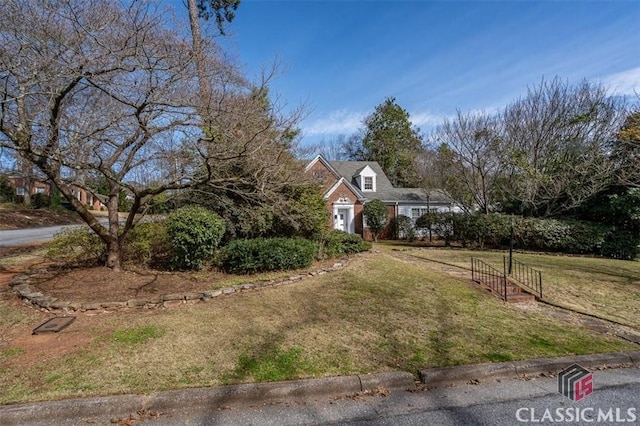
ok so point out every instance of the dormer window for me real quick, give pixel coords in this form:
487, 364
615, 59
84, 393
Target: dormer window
368, 183
366, 179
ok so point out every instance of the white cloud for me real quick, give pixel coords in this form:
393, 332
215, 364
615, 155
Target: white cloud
337, 122
426, 119
625, 82
348, 122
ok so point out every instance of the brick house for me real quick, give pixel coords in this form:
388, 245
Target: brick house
348, 185
36, 186
22, 184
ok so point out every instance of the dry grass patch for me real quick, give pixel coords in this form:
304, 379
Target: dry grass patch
607, 288
378, 314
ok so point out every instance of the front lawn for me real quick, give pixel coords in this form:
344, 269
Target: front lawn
379, 313
607, 288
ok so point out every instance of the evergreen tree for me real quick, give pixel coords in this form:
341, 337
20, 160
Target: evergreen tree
390, 139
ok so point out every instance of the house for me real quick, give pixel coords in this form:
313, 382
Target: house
24, 184
348, 185
36, 186
87, 198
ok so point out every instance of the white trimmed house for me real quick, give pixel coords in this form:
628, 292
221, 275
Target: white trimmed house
348, 185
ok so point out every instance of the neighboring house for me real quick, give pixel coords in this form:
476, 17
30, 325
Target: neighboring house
348, 185
87, 198
23, 184
36, 186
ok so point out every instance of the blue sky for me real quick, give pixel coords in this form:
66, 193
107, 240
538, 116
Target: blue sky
343, 58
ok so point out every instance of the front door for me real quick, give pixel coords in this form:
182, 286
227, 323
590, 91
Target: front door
341, 220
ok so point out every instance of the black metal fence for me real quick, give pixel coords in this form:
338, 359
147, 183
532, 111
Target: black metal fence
485, 274
525, 275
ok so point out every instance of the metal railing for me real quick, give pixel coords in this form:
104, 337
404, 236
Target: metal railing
525, 276
489, 276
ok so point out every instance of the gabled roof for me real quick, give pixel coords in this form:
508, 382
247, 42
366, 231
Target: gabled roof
346, 171
326, 163
351, 187
350, 169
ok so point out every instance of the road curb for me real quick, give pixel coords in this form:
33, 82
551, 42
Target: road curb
76, 411
198, 399
445, 376
69, 411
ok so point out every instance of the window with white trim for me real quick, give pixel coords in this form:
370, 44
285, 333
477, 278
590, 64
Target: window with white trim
19, 190
368, 183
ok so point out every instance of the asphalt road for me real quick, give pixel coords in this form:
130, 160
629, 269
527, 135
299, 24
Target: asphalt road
616, 397
18, 237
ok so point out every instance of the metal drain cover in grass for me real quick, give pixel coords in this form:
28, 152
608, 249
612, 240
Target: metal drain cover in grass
53, 325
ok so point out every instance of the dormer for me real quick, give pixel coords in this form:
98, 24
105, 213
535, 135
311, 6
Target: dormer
366, 179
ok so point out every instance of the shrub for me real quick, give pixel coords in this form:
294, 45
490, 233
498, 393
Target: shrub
376, 213
78, 245
194, 233
147, 244
338, 242
304, 214
494, 230
6, 190
267, 254
402, 226
353, 243
569, 236
39, 201
621, 245
425, 224
442, 226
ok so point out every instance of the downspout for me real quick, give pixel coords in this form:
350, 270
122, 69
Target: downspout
396, 219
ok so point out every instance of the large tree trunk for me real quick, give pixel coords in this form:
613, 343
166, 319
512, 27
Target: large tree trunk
114, 246
198, 55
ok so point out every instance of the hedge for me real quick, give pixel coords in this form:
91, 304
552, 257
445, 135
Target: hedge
266, 254
338, 242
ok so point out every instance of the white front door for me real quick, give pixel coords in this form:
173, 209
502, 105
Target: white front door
341, 220
343, 217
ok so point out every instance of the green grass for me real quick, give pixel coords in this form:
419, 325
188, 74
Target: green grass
136, 336
274, 365
377, 314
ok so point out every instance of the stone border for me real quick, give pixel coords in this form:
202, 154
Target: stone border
21, 285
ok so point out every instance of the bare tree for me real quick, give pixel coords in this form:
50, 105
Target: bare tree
556, 141
100, 88
466, 161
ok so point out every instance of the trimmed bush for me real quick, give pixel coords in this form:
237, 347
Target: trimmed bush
338, 242
267, 254
376, 214
194, 233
